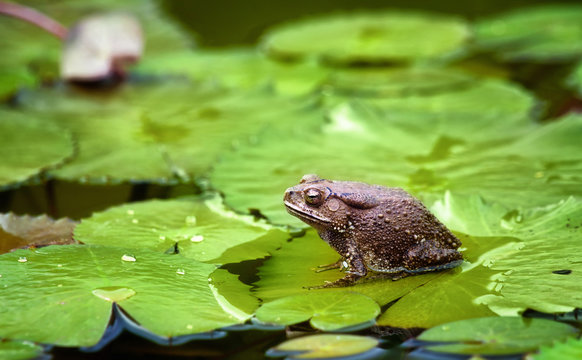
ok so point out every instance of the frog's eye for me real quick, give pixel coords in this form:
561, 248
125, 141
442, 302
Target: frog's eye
313, 196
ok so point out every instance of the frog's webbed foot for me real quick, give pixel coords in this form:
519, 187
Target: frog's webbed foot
348, 280
340, 264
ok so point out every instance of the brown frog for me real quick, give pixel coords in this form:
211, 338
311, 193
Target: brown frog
374, 228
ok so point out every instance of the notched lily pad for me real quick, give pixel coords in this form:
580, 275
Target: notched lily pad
369, 37
202, 229
324, 346
63, 294
28, 231
329, 311
29, 146
546, 33
494, 335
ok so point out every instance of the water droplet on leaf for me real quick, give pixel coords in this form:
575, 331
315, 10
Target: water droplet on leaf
191, 220
197, 238
129, 258
22, 259
180, 271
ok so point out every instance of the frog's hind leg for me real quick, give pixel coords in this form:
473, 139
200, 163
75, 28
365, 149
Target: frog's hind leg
430, 256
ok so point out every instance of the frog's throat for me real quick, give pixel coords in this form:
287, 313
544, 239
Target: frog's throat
305, 215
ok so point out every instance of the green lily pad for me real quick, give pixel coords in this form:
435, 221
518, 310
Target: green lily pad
545, 33
369, 37
35, 54
244, 68
324, 346
353, 146
530, 272
496, 335
325, 311
62, 294
398, 82
159, 133
571, 349
19, 350
30, 146
20, 231
202, 229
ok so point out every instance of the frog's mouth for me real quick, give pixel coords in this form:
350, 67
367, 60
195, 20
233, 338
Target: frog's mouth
308, 217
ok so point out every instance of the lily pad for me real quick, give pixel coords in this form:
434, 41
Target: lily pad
62, 294
369, 37
20, 231
244, 68
530, 271
398, 82
324, 346
354, 146
571, 349
30, 146
19, 350
126, 135
202, 229
546, 33
325, 311
495, 335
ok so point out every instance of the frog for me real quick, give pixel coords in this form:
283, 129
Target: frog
375, 229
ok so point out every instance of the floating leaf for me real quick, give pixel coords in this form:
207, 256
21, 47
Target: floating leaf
399, 82
29, 146
325, 311
202, 229
324, 346
545, 33
19, 231
495, 335
62, 294
531, 271
244, 68
369, 37
394, 143
127, 135
19, 350
571, 349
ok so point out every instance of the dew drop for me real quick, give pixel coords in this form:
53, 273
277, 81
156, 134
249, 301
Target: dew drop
130, 212
114, 293
60, 285
162, 237
189, 327
22, 259
135, 221
191, 220
197, 238
180, 271
129, 258
59, 265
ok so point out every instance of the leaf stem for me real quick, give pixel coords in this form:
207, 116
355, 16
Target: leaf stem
34, 17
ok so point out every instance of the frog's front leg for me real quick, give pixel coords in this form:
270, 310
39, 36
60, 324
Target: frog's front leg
355, 264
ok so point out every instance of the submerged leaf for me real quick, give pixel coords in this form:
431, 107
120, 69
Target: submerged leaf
325, 311
29, 146
20, 231
324, 346
369, 37
62, 294
201, 229
495, 335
